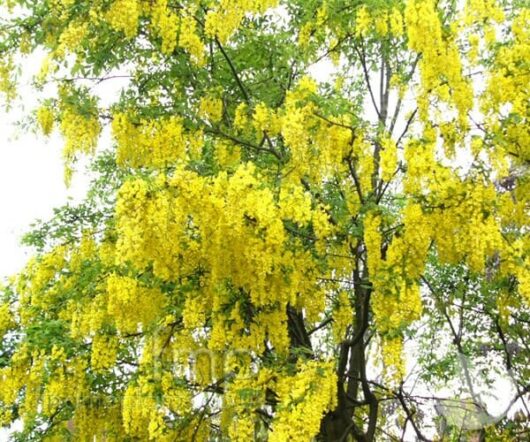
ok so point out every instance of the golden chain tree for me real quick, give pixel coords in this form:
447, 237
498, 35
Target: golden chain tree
258, 245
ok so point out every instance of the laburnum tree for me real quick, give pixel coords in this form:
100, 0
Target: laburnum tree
269, 251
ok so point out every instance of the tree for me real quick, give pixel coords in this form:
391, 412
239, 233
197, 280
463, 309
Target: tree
259, 249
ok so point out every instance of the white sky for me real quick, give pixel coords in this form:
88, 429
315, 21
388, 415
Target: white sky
31, 167
31, 185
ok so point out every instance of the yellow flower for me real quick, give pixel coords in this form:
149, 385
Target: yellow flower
123, 16
362, 21
303, 400
6, 319
45, 118
241, 118
211, 108
389, 159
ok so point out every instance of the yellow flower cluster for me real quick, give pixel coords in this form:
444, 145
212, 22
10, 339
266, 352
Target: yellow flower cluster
362, 21
333, 142
342, 316
474, 43
144, 410
373, 241
317, 145
393, 360
6, 319
48, 66
395, 22
229, 329
45, 119
177, 397
39, 275
88, 317
139, 410
241, 117
389, 158
422, 167
149, 230
304, 35
440, 63
33, 385
165, 24
101, 420
66, 381
396, 304
190, 41
194, 312
222, 21
123, 16
227, 154
148, 143
130, 305
195, 143
265, 120
86, 251
396, 299
211, 108
246, 393
13, 378
226, 225
295, 126
295, 204
480, 11
71, 38
515, 261
364, 155
384, 22
507, 88
416, 238
305, 87
304, 399
205, 365
464, 232
7, 85
104, 351
81, 133
26, 45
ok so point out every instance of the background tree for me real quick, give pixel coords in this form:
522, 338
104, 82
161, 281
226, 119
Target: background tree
258, 247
